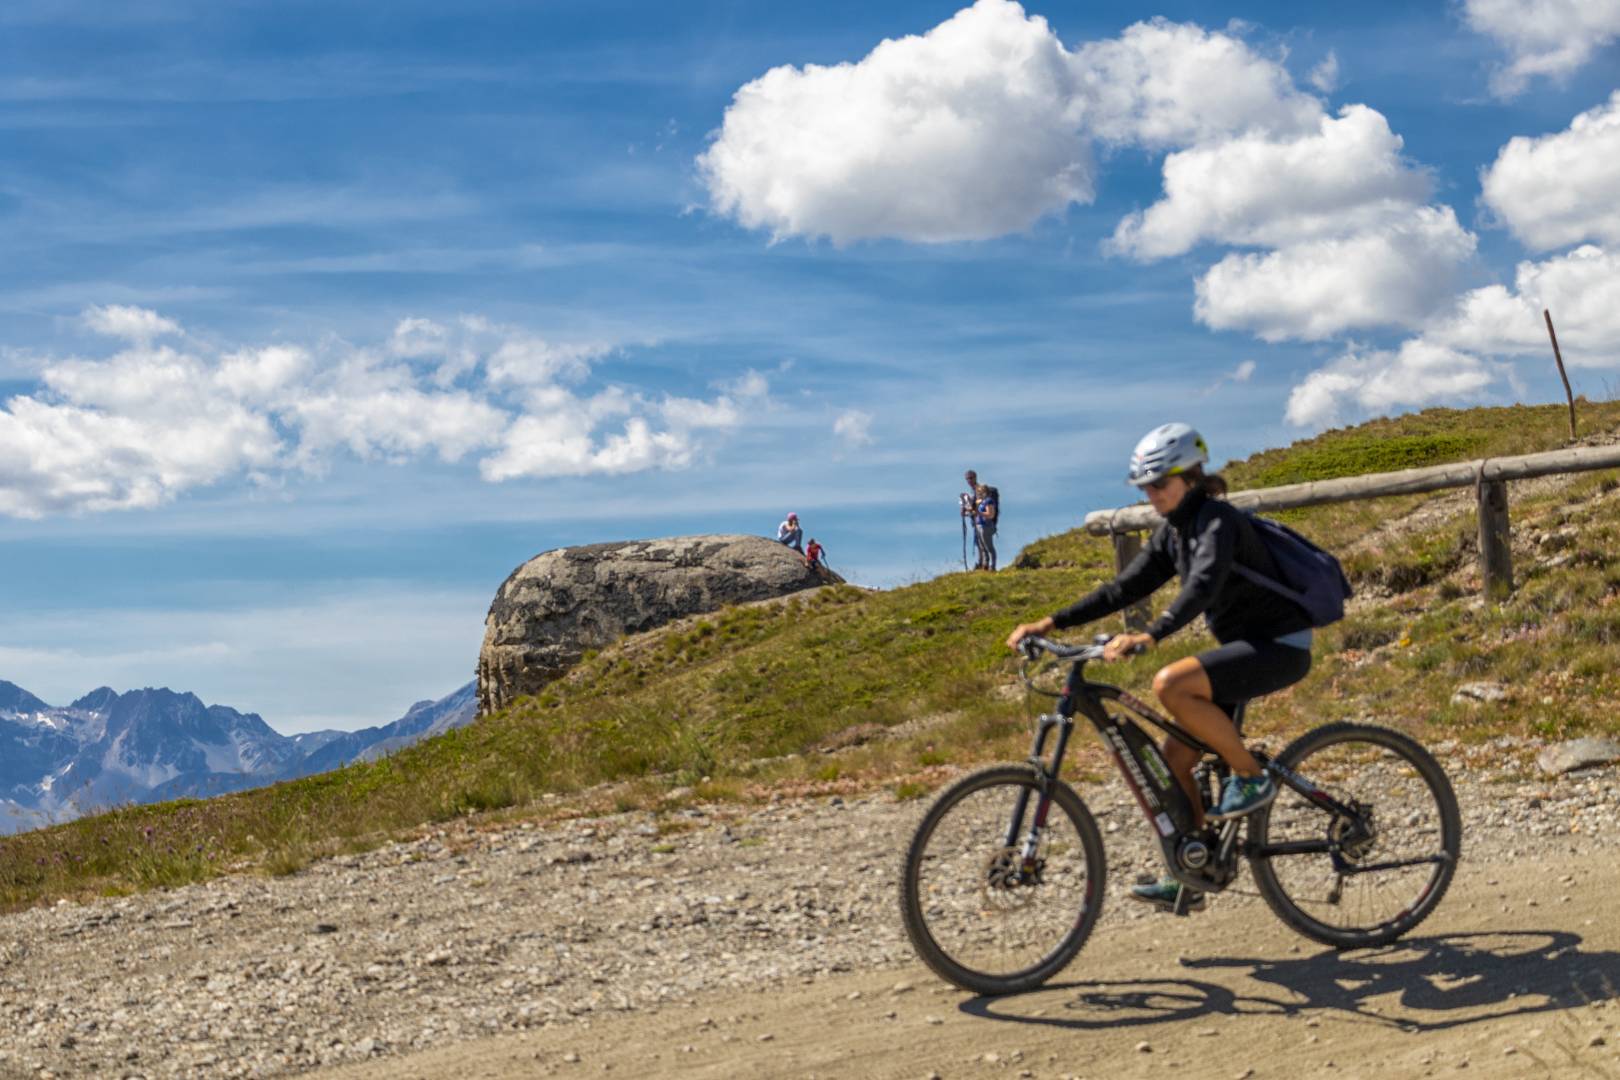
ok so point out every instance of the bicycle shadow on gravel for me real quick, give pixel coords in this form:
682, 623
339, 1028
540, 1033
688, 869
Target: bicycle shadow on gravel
1430, 983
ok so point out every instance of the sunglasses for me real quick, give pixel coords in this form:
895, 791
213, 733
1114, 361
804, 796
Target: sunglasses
1160, 484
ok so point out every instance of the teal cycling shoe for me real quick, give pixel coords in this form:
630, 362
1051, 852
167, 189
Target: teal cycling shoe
1163, 894
1243, 795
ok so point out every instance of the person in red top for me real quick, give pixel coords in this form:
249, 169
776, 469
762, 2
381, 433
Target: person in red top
813, 553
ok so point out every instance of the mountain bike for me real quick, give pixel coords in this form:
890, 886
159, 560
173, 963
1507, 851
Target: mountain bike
999, 893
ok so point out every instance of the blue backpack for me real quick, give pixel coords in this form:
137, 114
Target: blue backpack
1311, 577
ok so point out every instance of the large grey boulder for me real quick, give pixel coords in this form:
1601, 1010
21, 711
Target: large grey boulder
561, 603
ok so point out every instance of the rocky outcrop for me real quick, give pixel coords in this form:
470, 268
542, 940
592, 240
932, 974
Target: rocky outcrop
561, 603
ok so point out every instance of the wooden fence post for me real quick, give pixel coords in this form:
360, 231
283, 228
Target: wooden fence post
1126, 545
1495, 556
1559, 357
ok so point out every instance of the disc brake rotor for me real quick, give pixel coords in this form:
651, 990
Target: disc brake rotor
1010, 879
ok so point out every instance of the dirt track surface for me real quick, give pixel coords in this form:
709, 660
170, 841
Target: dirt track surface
506, 950
1492, 986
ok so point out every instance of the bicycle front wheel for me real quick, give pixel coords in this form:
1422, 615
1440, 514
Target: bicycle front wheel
1397, 852
981, 914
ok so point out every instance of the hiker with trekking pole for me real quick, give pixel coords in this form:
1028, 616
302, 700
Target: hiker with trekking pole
980, 507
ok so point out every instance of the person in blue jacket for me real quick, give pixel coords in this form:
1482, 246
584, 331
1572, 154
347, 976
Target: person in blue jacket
986, 516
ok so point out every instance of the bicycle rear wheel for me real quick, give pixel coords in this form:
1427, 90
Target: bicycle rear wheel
978, 915
1399, 851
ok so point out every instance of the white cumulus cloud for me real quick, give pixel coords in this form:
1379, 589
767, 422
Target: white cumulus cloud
1397, 274
1549, 38
1580, 288
1563, 188
148, 423
129, 323
985, 123
1552, 191
1256, 189
1416, 374
1162, 84
980, 126
560, 433
1466, 351
129, 432
966, 132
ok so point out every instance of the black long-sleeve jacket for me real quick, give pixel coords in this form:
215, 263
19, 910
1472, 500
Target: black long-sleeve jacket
1200, 540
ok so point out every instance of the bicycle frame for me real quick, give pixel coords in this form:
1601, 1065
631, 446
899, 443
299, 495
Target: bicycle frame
1203, 858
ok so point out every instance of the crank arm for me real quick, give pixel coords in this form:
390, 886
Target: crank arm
1290, 847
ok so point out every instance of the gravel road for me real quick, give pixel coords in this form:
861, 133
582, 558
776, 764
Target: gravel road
625, 940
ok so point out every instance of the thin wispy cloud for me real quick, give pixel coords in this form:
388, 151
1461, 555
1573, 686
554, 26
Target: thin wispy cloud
1325, 75
1240, 374
853, 427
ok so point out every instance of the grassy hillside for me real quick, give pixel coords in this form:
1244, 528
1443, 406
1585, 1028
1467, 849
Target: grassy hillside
907, 684
1431, 437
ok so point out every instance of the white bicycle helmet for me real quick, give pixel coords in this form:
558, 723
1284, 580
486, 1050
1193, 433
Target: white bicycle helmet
1166, 451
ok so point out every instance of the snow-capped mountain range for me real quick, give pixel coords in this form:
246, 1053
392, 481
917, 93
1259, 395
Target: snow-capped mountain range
107, 749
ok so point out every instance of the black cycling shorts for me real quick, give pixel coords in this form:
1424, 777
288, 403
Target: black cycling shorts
1241, 670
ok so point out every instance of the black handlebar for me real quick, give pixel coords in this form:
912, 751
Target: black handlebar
1033, 645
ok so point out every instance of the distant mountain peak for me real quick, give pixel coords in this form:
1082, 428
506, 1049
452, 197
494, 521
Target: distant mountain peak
14, 698
155, 743
96, 700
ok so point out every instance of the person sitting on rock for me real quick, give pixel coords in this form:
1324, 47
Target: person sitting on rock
813, 553
790, 534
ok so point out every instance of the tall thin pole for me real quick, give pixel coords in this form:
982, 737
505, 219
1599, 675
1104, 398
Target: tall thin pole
1559, 357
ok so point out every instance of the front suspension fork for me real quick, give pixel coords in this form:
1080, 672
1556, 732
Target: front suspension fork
1027, 842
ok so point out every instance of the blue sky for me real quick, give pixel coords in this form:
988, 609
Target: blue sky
402, 248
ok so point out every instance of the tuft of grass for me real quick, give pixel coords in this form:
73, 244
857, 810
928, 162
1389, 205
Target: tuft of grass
906, 790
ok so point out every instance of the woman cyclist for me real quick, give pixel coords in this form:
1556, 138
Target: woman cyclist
1265, 638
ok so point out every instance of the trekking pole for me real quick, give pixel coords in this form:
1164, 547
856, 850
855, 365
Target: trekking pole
962, 513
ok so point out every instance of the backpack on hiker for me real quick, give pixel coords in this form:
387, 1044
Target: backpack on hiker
994, 494
1310, 577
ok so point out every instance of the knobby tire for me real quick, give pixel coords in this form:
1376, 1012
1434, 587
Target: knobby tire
1287, 907
1066, 801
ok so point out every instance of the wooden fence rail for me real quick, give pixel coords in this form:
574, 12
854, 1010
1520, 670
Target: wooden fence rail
1488, 476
